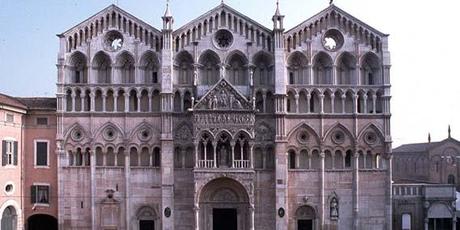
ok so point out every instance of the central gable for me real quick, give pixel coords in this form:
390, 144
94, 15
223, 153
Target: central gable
223, 96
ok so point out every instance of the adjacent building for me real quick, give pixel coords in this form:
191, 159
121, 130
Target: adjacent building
425, 177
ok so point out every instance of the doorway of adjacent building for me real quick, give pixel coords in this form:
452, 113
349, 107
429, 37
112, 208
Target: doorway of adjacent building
146, 225
224, 219
42, 221
440, 224
305, 225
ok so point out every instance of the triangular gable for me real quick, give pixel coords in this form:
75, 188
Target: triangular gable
217, 11
223, 96
317, 22
103, 14
438, 144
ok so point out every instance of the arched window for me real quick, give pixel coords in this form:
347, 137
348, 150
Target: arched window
156, 101
183, 69
149, 65
110, 157
304, 160
406, 220
133, 102
99, 157
348, 159
371, 70
209, 71
237, 72
291, 103
297, 69
259, 161
145, 157
9, 218
322, 69
156, 158
177, 102
102, 67
121, 157
263, 71
451, 179
346, 69
134, 157
144, 106
125, 64
78, 68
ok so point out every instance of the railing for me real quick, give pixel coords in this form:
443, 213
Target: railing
407, 190
205, 163
242, 163
238, 164
429, 191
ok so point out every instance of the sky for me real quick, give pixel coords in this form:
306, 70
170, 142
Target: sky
424, 51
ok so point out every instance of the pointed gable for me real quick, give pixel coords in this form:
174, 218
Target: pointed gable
223, 96
109, 18
335, 17
222, 16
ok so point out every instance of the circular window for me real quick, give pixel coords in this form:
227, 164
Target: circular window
145, 134
77, 135
223, 39
333, 40
338, 137
110, 134
303, 137
370, 138
113, 41
9, 189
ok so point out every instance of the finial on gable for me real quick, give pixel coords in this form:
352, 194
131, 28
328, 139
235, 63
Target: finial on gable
277, 12
449, 131
331, 2
167, 11
429, 137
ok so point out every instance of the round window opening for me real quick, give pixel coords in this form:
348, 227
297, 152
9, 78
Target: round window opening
9, 188
333, 40
144, 134
303, 137
223, 39
110, 134
113, 41
338, 137
370, 138
77, 135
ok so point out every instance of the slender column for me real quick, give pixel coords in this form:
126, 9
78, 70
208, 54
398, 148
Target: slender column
426, 221
334, 75
344, 97
138, 102
374, 104
93, 101
104, 159
205, 152
73, 101
115, 102
321, 100
150, 101
308, 102
264, 97
104, 98
355, 191
296, 103
196, 211
322, 208
182, 102
364, 103
196, 154
251, 148
214, 145
93, 189
251, 218
126, 102
127, 190
233, 153
355, 104
332, 103
82, 101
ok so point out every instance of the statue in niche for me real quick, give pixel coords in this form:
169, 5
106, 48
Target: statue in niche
222, 71
251, 77
195, 77
334, 208
214, 102
223, 100
223, 155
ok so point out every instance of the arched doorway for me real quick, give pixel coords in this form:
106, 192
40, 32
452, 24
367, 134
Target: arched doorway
42, 222
305, 218
147, 219
9, 219
224, 205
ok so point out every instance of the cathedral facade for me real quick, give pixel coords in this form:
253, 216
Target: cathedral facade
223, 123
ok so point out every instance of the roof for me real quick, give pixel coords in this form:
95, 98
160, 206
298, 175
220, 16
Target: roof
42, 103
11, 101
411, 148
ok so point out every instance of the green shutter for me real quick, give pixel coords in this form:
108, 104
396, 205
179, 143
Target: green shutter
4, 157
33, 194
15, 153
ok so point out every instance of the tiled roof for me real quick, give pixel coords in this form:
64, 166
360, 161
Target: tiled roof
48, 103
11, 101
412, 148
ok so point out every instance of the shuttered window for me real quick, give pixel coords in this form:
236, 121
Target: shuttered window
41, 151
9, 153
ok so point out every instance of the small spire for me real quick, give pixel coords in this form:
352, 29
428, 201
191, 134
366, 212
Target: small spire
222, 2
167, 12
449, 131
331, 2
277, 12
429, 137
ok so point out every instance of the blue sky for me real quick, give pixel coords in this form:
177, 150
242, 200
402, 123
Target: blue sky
422, 42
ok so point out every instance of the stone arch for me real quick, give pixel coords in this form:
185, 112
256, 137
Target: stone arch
13, 208
112, 125
75, 126
305, 215
339, 126
145, 125
374, 128
297, 68
370, 69
183, 66
237, 73
148, 217
77, 66
346, 68
210, 62
308, 128
102, 64
263, 71
322, 68
149, 64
